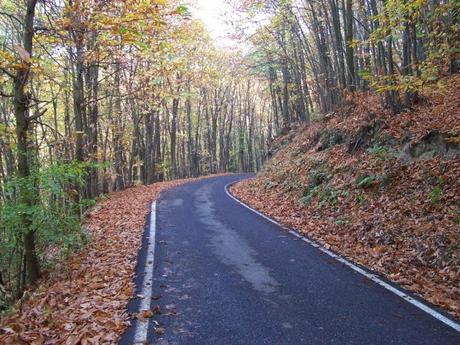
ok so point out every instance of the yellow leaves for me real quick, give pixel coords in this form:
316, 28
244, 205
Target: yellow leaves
143, 315
6, 58
9, 61
153, 3
7, 133
128, 38
64, 23
128, 292
96, 285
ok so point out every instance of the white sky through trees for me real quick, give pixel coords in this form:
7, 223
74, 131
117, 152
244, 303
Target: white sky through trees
214, 14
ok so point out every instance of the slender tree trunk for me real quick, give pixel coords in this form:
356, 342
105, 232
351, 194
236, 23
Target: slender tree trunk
338, 41
392, 95
188, 111
78, 89
21, 112
117, 136
93, 114
173, 137
148, 149
157, 146
286, 81
349, 47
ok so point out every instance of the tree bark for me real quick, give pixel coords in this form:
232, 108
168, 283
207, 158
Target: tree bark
349, 47
27, 196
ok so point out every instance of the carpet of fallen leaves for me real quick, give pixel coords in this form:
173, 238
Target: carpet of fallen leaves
402, 224
85, 301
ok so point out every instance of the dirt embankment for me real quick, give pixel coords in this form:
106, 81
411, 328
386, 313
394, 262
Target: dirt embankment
383, 190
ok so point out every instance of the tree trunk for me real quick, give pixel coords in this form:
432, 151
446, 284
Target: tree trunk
349, 47
27, 196
117, 138
173, 137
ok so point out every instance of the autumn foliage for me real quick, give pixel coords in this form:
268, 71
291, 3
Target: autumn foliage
380, 189
84, 299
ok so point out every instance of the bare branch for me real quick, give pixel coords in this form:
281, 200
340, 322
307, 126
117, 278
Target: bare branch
5, 94
9, 74
11, 16
37, 115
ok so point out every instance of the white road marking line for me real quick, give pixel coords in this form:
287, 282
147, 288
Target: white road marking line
373, 277
140, 332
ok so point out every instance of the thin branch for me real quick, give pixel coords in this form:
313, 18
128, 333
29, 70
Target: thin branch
37, 115
5, 94
9, 74
43, 124
12, 16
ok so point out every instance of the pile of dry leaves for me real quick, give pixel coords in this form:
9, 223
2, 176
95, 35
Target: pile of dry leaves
398, 217
86, 302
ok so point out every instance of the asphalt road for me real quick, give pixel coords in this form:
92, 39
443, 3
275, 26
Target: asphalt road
224, 275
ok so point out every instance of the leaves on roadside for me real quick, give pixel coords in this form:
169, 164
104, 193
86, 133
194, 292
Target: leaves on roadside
159, 330
85, 301
404, 224
143, 315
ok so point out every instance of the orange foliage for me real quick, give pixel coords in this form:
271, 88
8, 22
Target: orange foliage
403, 224
85, 302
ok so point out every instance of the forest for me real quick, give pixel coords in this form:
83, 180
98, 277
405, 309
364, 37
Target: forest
101, 96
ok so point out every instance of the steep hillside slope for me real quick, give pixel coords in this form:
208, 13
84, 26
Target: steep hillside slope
381, 189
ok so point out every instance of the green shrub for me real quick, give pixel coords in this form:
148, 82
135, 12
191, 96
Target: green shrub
362, 199
382, 152
54, 217
330, 138
457, 217
435, 194
319, 173
329, 196
367, 181
308, 195
342, 221
324, 194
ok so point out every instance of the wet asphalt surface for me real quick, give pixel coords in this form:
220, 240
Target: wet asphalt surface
224, 275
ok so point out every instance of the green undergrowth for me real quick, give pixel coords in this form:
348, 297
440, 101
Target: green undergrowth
54, 217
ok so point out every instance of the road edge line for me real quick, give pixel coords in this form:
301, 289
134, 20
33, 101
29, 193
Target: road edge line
420, 305
142, 326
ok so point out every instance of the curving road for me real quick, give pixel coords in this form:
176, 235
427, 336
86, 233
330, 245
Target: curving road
224, 275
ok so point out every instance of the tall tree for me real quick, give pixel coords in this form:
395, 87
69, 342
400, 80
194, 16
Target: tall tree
25, 154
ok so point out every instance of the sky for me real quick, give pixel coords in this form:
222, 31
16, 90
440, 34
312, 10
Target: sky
214, 14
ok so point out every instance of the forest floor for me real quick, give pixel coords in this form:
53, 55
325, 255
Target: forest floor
382, 190
84, 300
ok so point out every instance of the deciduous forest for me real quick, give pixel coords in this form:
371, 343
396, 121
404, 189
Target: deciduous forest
100, 97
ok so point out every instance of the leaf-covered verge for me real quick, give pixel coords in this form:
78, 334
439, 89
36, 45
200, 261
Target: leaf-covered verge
383, 190
85, 299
